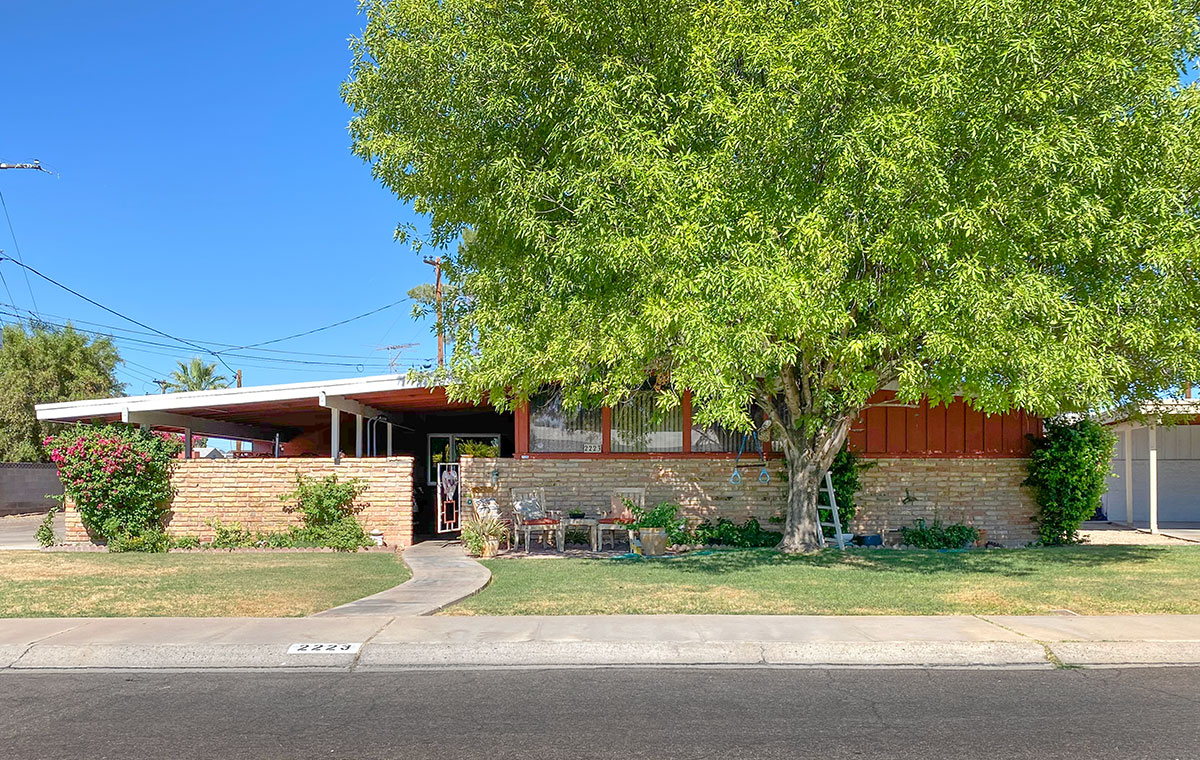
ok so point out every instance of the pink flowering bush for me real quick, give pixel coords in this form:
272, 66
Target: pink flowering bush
118, 477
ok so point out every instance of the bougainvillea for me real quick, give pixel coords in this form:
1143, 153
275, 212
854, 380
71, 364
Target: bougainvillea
118, 477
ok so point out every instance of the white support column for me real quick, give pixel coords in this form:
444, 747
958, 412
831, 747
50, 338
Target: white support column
335, 433
358, 422
389, 439
1153, 478
1129, 476
187, 443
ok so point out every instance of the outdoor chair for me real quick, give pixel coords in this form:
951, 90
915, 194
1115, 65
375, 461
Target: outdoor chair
530, 516
619, 517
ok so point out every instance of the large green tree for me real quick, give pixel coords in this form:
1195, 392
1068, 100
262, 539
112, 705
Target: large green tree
40, 365
795, 204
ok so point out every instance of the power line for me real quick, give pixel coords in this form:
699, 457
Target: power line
114, 312
17, 246
321, 329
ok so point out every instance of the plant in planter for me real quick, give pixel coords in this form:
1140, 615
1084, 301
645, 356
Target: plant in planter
939, 536
654, 524
481, 536
576, 514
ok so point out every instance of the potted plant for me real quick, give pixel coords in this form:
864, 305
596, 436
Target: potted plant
653, 524
481, 536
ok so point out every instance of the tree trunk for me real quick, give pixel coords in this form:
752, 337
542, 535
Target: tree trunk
808, 459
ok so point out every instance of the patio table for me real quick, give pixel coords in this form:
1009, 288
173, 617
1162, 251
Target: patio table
591, 523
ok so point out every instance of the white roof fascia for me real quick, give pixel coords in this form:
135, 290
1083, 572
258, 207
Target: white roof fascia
221, 397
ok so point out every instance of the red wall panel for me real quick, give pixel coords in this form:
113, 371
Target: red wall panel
922, 430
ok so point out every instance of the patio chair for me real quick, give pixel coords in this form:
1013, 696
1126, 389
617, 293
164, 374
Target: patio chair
616, 519
530, 516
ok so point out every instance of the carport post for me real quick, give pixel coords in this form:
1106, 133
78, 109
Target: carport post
358, 435
389, 439
187, 443
1153, 478
335, 434
1129, 476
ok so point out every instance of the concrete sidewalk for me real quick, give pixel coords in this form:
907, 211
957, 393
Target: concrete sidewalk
386, 642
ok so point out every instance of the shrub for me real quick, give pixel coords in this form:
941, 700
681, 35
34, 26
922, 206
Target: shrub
938, 536
45, 531
323, 501
477, 530
749, 534
345, 535
664, 515
1067, 469
185, 542
118, 477
230, 535
149, 540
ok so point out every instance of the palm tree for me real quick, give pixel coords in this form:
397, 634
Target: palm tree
196, 376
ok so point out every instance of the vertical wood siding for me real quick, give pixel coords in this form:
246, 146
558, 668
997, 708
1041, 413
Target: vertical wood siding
955, 430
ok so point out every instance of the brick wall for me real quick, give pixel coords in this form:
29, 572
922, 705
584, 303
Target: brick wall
248, 491
986, 493
982, 492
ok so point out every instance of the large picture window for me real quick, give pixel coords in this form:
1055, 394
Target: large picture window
638, 426
715, 439
555, 429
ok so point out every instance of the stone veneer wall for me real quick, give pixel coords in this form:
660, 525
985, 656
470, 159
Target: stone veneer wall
248, 491
895, 492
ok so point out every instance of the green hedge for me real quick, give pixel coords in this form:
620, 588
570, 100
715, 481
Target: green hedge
1068, 469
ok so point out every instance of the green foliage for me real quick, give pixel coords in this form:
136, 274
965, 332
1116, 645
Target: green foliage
1068, 470
42, 365
664, 515
798, 201
323, 501
477, 530
471, 448
749, 534
344, 535
149, 540
117, 476
229, 535
185, 542
45, 532
939, 536
195, 375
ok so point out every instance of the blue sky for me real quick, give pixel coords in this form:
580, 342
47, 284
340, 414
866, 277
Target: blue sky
204, 183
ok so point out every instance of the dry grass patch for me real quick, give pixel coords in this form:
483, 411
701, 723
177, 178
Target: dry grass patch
206, 584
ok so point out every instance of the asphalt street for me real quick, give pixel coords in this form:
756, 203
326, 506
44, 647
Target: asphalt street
604, 713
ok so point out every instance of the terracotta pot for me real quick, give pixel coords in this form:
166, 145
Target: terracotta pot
654, 541
491, 547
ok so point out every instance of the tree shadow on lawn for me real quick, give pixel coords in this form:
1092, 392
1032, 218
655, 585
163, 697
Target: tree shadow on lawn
1006, 562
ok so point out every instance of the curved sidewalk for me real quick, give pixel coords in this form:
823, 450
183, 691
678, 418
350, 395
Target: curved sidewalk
441, 575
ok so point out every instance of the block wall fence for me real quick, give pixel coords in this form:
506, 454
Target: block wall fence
248, 490
984, 492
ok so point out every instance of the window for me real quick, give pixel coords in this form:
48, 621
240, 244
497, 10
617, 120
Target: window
554, 429
638, 426
449, 448
715, 438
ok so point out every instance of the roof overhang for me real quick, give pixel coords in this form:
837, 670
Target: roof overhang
1164, 411
259, 412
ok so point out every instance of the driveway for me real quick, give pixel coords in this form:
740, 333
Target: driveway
19, 531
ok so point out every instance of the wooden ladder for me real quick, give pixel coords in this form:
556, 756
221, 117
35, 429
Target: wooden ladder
836, 524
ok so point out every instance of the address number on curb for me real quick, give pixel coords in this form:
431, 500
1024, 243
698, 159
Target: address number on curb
324, 648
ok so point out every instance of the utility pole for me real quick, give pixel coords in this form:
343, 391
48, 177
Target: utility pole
238, 443
162, 385
437, 295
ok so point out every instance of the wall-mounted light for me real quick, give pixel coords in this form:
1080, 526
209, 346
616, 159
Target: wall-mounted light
495, 478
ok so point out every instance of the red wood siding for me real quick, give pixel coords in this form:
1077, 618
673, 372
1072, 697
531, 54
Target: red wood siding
956, 430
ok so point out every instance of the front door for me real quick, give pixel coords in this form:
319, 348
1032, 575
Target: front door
444, 452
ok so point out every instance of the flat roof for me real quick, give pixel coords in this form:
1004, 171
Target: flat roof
288, 405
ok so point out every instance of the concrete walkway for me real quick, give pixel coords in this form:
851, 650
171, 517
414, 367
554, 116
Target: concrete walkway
383, 643
441, 575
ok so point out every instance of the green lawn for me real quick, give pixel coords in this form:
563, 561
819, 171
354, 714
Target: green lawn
203, 584
1087, 580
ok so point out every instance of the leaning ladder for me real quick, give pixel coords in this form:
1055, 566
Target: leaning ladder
832, 508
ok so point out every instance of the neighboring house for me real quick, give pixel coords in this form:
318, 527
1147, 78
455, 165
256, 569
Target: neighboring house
207, 452
948, 462
1160, 482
